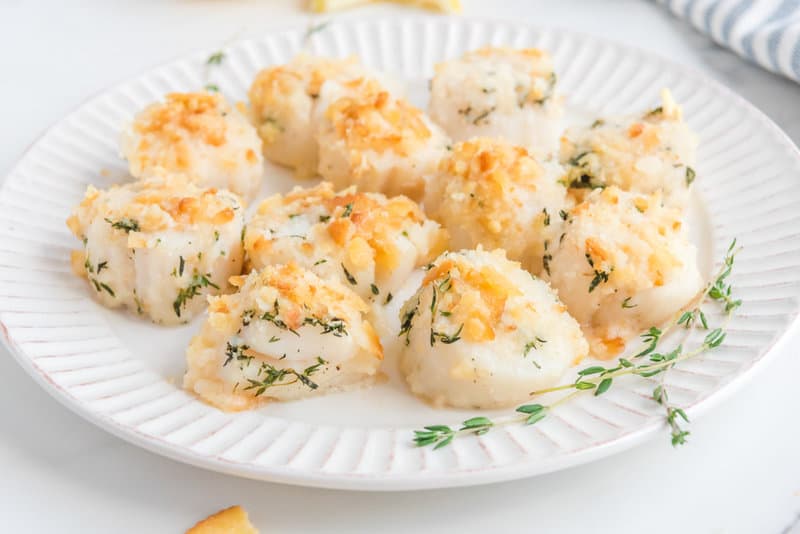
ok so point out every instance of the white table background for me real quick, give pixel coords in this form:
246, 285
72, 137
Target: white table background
740, 472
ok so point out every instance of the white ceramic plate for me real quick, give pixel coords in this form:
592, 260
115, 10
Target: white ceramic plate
123, 374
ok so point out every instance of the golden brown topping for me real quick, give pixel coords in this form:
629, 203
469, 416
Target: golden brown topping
304, 73
367, 224
196, 113
204, 208
153, 205
477, 296
371, 119
646, 246
293, 285
490, 170
77, 260
635, 129
596, 251
491, 164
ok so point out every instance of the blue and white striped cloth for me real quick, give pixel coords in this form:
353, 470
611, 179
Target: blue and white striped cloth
764, 31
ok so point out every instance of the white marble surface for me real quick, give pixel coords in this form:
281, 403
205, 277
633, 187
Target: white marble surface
740, 473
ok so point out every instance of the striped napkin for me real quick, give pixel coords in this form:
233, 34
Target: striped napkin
764, 31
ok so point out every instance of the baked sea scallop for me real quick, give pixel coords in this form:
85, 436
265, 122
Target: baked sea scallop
369, 242
369, 138
200, 136
644, 153
286, 334
281, 102
489, 192
499, 92
624, 264
481, 332
158, 247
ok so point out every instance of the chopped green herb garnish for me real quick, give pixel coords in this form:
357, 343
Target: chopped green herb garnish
599, 276
535, 344
334, 325
690, 176
198, 282
483, 117
274, 318
350, 278
216, 58
126, 224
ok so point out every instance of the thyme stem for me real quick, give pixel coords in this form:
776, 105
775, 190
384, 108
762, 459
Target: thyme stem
599, 379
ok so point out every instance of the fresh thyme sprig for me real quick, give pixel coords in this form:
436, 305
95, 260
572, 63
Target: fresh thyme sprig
719, 290
678, 433
599, 379
442, 435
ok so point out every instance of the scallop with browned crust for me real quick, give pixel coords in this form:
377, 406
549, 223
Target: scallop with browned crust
282, 99
200, 136
623, 264
492, 193
367, 241
286, 334
481, 332
374, 140
158, 247
502, 93
644, 153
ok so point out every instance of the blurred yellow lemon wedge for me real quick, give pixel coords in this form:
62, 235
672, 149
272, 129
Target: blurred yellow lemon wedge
443, 6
